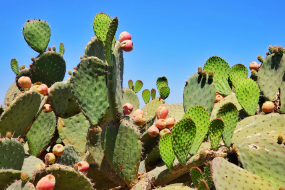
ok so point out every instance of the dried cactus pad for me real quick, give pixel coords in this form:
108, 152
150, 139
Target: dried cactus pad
19, 115
37, 34
48, 68
199, 91
221, 71
264, 158
247, 93
229, 176
166, 151
88, 84
12, 154
238, 72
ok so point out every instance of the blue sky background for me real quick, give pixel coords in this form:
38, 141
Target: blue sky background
171, 38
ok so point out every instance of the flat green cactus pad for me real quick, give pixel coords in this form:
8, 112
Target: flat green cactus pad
61, 49
221, 71
215, 132
94, 146
160, 82
14, 66
66, 178
101, 25
247, 93
183, 135
19, 185
123, 139
166, 151
238, 72
12, 92
48, 68
19, 115
11, 154
201, 119
95, 48
30, 164
44, 126
199, 91
8, 176
164, 92
138, 86
196, 176
130, 84
69, 157
88, 84
146, 95
264, 158
153, 93
229, 176
129, 96
73, 131
37, 34
62, 100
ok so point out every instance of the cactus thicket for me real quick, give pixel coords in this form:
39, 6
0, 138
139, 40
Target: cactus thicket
204, 142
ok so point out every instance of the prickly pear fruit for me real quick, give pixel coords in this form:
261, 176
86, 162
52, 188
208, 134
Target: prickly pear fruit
127, 45
267, 107
49, 158
24, 177
40, 166
153, 131
139, 119
253, 65
137, 112
164, 132
47, 108
82, 166
44, 89
128, 108
58, 149
279, 139
25, 82
9, 135
37, 88
161, 112
125, 36
170, 122
46, 183
161, 124
218, 97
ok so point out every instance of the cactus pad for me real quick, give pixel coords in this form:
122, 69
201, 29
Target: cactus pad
199, 91
196, 176
150, 108
95, 48
30, 164
37, 34
160, 82
15, 66
69, 157
129, 96
229, 114
146, 95
238, 72
201, 118
12, 92
183, 135
166, 151
247, 93
229, 176
61, 49
130, 84
153, 93
19, 115
221, 71
164, 92
175, 110
88, 84
8, 176
101, 25
138, 86
215, 132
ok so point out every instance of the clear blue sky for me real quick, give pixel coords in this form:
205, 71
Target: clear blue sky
171, 38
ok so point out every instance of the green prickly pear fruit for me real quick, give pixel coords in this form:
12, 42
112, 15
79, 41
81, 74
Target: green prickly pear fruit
83, 166
24, 82
127, 45
46, 183
58, 149
49, 158
270, 48
53, 48
70, 72
164, 132
24, 177
279, 139
125, 36
161, 124
268, 107
128, 108
153, 131
161, 112
253, 65
170, 122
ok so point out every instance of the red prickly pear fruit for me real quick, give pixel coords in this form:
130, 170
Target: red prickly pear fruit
127, 45
24, 177
24, 82
125, 36
47, 108
44, 89
49, 158
46, 183
139, 119
128, 108
170, 122
153, 131
58, 149
268, 107
82, 166
161, 112
137, 112
164, 132
161, 124
253, 65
